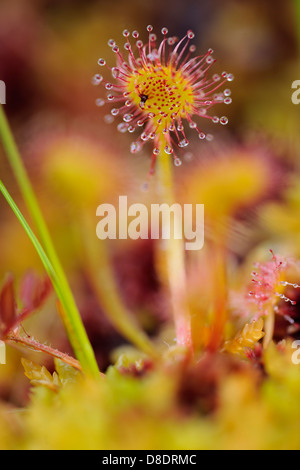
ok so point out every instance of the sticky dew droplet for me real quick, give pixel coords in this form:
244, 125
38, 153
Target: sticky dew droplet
100, 102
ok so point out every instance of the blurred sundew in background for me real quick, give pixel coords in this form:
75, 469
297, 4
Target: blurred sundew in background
247, 177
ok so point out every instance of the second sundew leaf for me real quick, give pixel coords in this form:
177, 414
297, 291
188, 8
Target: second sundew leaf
247, 338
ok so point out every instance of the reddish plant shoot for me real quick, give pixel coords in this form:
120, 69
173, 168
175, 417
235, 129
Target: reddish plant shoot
269, 285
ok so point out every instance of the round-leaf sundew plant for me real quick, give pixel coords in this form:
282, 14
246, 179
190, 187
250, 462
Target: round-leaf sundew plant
158, 87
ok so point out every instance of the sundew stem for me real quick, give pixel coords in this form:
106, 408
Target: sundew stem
175, 255
47, 253
269, 328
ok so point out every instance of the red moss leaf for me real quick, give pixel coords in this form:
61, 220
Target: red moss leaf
7, 305
34, 291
